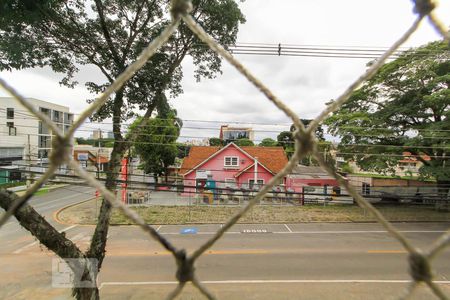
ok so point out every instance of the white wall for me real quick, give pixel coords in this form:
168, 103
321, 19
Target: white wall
26, 124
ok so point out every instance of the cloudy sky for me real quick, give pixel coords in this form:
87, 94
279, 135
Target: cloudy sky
304, 83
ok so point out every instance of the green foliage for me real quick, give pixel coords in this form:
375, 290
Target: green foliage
106, 143
109, 35
183, 150
244, 142
215, 142
155, 144
268, 142
346, 168
319, 131
404, 107
286, 140
12, 184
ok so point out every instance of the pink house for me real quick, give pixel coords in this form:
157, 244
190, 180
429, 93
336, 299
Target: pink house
231, 166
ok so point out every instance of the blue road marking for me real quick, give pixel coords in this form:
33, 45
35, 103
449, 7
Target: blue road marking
189, 230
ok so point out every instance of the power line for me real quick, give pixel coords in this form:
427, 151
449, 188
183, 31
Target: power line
236, 122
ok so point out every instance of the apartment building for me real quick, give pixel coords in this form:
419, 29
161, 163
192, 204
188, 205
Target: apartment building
23, 135
231, 134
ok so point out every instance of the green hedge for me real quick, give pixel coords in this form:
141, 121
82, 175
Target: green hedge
11, 184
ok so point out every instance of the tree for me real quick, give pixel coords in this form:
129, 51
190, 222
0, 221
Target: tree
183, 150
244, 142
286, 140
319, 130
403, 108
268, 142
109, 35
156, 145
215, 142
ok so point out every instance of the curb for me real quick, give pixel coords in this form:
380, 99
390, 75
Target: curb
58, 211
58, 220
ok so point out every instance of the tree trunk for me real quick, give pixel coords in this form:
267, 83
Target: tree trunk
443, 200
50, 238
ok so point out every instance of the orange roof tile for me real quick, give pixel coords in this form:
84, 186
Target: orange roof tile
273, 158
197, 154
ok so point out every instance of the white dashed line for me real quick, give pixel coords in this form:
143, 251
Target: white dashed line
131, 283
35, 242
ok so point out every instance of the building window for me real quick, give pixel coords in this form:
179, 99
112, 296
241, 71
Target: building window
57, 116
10, 113
231, 161
45, 111
68, 118
43, 153
259, 184
43, 129
45, 141
11, 129
365, 188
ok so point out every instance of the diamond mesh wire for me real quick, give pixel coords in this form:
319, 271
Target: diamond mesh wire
305, 144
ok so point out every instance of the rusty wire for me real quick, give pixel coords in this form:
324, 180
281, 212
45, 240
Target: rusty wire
305, 144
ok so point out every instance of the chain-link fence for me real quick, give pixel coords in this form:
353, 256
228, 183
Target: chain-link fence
305, 144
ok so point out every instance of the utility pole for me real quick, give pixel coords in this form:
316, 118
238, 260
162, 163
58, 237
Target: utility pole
255, 178
29, 175
98, 153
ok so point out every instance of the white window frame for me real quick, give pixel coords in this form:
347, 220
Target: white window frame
231, 158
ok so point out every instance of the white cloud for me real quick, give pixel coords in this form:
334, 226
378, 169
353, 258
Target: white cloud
304, 83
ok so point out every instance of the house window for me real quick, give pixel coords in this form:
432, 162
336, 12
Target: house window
365, 188
259, 183
10, 113
231, 161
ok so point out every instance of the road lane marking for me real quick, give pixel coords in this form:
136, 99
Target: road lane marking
386, 251
362, 231
131, 283
255, 231
317, 232
35, 242
159, 227
25, 247
287, 227
210, 252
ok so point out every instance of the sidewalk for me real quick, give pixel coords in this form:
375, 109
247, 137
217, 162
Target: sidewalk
20, 190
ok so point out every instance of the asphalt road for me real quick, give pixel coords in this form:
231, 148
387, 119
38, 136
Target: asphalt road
282, 261
13, 236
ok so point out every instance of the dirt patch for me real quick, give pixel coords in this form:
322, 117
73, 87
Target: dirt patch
86, 213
